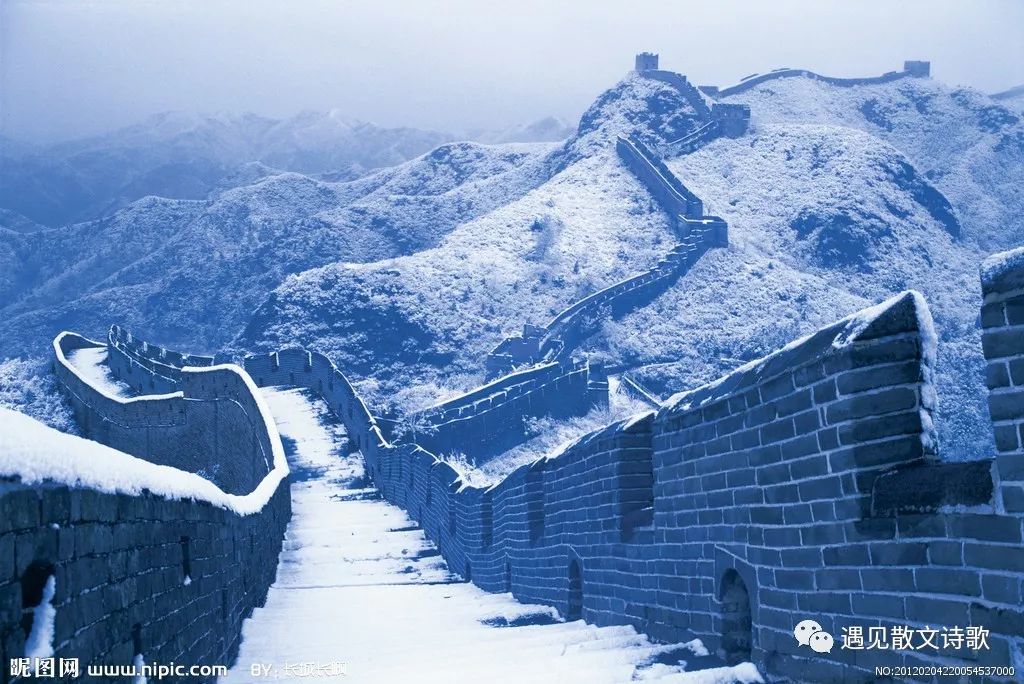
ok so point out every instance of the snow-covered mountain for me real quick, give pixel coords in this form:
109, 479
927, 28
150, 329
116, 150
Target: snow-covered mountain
588, 226
190, 272
836, 198
548, 129
182, 155
185, 156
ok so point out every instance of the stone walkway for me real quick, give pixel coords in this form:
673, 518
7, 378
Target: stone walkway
360, 590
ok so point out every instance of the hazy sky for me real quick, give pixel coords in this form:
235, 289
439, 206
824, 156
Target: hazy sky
69, 67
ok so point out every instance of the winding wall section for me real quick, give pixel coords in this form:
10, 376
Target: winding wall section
911, 69
560, 337
150, 561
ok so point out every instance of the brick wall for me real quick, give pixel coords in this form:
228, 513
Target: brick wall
492, 419
777, 494
478, 424
1002, 339
683, 85
806, 485
302, 368
698, 233
162, 574
159, 356
211, 425
119, 564
143, 377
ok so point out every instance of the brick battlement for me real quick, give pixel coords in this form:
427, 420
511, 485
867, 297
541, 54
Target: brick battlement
153, 561
804, 485
210, 423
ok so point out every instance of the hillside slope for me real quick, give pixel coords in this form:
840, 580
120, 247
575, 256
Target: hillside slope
968, 145
823, 220
190, 272
411, 323
1012, 98
186, 156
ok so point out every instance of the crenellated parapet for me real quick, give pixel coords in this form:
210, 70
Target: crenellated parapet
494, 417
302, 368
160, 357
690, 92
808, 484
211, 423
477, 424
686, 209
158, 541
1002, 338
714, 121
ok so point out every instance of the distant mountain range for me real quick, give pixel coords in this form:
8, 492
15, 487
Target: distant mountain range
187, 156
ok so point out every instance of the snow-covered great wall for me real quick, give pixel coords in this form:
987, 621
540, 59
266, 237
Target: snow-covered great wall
140, 553
696, 232
805, 484
808, 484
911, 69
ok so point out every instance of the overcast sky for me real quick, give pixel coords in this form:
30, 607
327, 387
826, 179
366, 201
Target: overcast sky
73, 67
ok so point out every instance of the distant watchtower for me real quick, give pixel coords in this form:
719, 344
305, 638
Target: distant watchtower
646, 61
914, 68
733, 119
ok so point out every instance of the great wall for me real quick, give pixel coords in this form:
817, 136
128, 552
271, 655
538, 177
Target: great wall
807, 484
911, 69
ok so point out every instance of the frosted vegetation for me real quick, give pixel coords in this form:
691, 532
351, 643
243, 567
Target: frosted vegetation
27, 385
588, 226
823, 221
191, 272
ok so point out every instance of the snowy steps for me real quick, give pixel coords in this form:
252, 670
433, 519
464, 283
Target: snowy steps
358, 583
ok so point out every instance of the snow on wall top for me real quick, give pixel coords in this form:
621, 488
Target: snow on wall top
29, 459
73, 341
905, 312
35, 454
1003, 271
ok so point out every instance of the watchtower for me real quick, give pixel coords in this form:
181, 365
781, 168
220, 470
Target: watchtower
917, 68
733, 119
646, 61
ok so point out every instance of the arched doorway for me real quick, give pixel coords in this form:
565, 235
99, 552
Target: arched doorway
574, 604
737, 625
